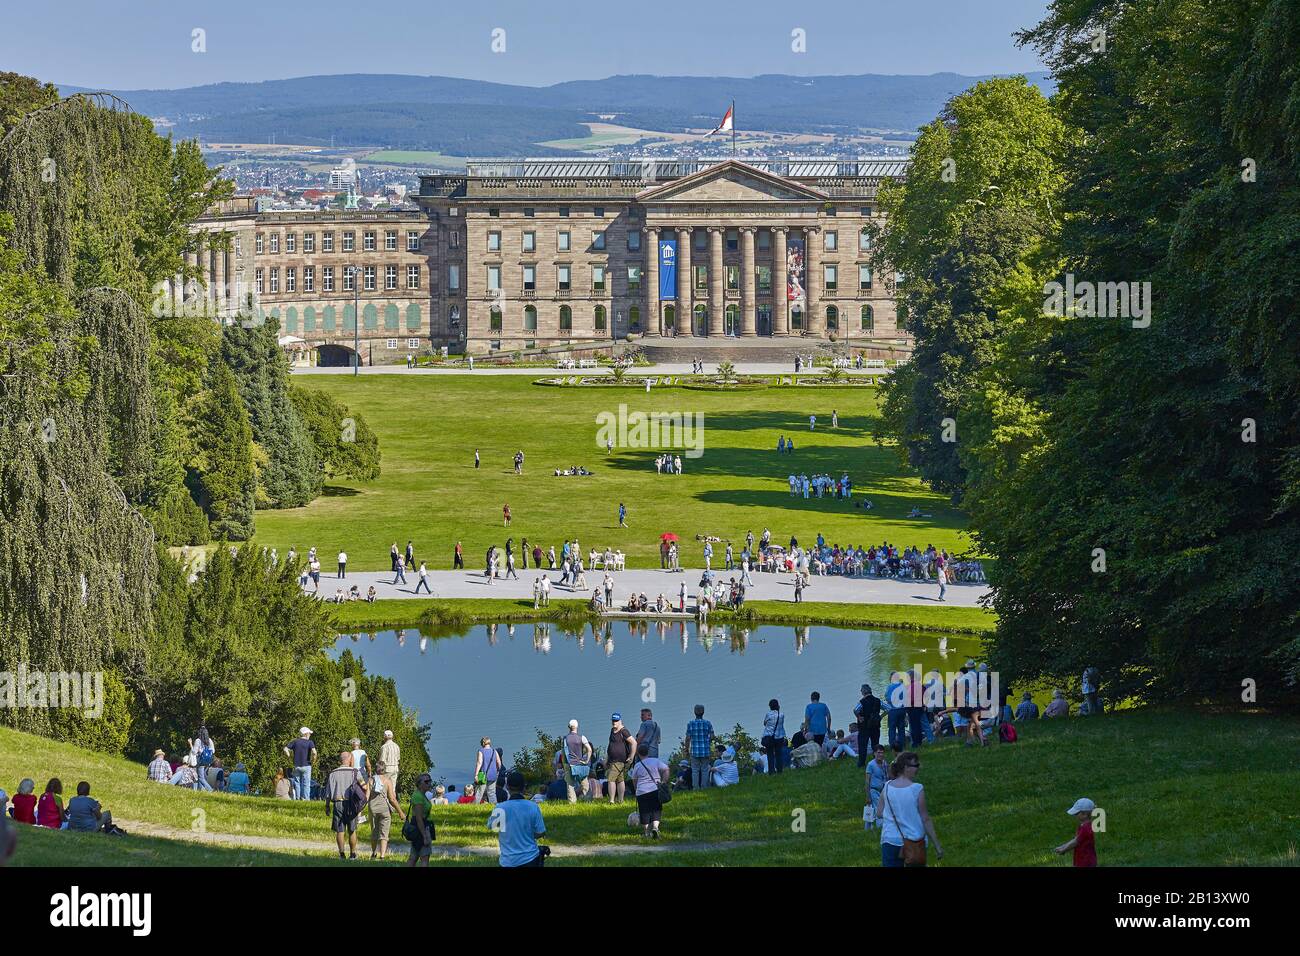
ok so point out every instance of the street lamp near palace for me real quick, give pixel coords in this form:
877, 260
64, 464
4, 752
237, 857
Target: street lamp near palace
355, 272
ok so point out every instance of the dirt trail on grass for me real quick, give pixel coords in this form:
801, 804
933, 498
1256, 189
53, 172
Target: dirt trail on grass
444, 851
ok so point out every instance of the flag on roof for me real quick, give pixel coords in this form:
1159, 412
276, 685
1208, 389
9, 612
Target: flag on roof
728, 121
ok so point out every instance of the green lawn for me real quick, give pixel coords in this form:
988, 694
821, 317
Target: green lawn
429, 426
1170, 783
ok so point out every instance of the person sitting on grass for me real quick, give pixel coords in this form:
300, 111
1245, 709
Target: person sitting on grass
1027, 709
724, 772
85, 814
24, 802
468, 795
808, 755
440, 796
237, 782
1059, 707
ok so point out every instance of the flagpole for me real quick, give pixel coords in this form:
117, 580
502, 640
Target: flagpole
733, 128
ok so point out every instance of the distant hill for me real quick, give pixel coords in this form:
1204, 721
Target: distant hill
455, 115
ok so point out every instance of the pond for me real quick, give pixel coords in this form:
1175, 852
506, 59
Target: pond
503, 680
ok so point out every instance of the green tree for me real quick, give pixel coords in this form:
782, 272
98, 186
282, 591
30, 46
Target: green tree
221, 472
345, 445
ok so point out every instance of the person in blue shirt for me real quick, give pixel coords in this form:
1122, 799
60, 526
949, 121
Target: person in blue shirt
895, 712
518, 823
817, 719
1027, 710
237, 782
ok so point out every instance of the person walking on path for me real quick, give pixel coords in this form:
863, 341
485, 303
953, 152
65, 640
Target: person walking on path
487, 767
383, 804
510, 566
343, 564
342, 804
1084, 843
399, 572
774, 739
905, 824
393, 556
303, 754
699, 734
518, 823
618, 758
574, 759
458, 558
648, 775
410, 554
424, 581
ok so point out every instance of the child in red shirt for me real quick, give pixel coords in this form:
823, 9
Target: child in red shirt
1084, 843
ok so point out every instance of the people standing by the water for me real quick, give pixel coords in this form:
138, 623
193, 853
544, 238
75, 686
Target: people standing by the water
618, 757
383, 804
905, 824
648, 734
774, 739
699, 734
419, 830
649, 774
867, 710
487, 766
302, 752
575, 758
817, 719
877, 774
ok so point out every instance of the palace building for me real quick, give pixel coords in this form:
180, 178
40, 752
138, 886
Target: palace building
520, 254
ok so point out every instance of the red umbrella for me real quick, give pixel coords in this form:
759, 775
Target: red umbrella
668, 536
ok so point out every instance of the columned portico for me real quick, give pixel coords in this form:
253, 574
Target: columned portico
748, 305
654, 317
814, 322
685, 292
780, 300
717, 303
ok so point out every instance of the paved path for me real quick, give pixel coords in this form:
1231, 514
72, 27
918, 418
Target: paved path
400, 849
666, 368
767, 587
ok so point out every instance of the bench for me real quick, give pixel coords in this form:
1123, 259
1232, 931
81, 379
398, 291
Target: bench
874, 363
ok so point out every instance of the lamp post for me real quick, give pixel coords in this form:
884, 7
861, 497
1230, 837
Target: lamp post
356, 319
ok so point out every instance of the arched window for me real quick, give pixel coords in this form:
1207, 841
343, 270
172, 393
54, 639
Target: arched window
530, 318
392, 318
634, 318
309, 319
868, 319
370, 316
670, 316
494, 320
291, 320
413, 318
796, 319
566, 319
701, 319
832, 319
600, 318
330, 319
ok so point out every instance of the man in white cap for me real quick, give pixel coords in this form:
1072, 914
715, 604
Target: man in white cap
389, 755
303, 754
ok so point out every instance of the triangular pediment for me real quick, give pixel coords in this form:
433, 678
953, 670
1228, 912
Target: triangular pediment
731, 182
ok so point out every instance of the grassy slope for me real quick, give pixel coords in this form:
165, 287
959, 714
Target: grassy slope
405, 612
1178, 789
429, 426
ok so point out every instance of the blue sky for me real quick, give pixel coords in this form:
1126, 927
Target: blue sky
147, 43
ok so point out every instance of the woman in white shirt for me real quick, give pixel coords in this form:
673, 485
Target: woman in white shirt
902, 815
773, 736
647, 774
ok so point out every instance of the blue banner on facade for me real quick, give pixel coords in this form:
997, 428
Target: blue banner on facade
667, 268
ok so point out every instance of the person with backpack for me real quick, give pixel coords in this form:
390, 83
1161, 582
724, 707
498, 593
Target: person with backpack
345, 798
574, 758
204, 750
487, 767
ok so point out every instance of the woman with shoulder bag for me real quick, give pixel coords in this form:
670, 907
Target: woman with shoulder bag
773, 741
650, 782
904, 820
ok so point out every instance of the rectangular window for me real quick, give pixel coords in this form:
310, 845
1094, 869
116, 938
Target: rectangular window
275, 242
528, 212
733, 278
367, 241
412, 343
291, 279
309, 278
530, 242
733, 239
597, 278
349, 241
831, 274
864, 277
257, 244
598, 240
368, 273
327, 242
239, 253
258, 278
864, 240
453, 277
633, 278
764, 239
493, 278
634, 241
291, 242
494, 320
764, 278
390, 240
494, 212
413, 277
275, 279
868, 210
412, 242
494, 242
327, 279
309, 242
564, 212
600, 318
349, 279
564, 276
530, 278
701, 240
563, 242
832, 241
391, 343
390, 277
701, 278
599, 212
454, 239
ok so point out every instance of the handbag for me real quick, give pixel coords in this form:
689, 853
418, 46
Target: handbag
770, 740
664, 790
913, 850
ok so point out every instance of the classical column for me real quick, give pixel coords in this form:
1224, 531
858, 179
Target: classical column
780, 301
717, 285
178, 293
748, 317
219, 276
814, 322
653, 320
192, 288
685, 287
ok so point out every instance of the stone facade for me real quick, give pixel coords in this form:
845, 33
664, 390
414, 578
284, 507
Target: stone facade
517, 254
